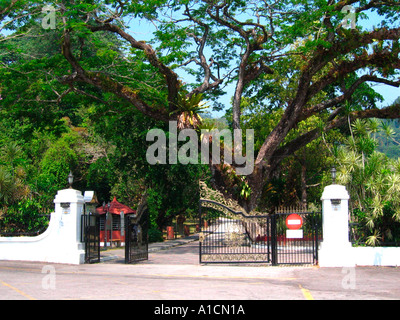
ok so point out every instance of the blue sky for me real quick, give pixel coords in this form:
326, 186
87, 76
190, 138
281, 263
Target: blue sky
389, 93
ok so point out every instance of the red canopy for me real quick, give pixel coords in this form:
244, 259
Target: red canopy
115, 207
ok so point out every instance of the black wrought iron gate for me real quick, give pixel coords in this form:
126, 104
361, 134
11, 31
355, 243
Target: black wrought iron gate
136, 238
228, 236
90, 235
298, 246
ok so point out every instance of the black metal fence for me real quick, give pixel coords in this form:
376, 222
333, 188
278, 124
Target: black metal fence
300, 246
90, 235
136, 238
227, 236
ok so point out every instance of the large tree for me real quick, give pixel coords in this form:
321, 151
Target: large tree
327, 68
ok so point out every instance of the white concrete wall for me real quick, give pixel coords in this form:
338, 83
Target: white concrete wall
376, 256
335, 249
60, 243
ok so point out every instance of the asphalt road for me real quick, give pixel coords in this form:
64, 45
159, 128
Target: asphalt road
175, 274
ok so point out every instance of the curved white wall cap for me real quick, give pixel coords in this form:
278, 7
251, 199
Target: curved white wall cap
335, 191
52, 227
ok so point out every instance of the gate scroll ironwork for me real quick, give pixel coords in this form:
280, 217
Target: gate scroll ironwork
229, 236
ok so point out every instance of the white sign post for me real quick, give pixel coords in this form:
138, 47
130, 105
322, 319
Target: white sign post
122, 223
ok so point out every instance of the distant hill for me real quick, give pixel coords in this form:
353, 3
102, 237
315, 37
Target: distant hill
390, 146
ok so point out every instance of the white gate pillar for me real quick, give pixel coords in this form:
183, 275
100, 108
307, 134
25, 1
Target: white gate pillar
69, 208
335, 249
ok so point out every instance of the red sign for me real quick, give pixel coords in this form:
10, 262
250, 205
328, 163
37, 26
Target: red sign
294, 221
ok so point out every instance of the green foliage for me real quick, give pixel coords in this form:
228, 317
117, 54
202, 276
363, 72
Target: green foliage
245, 191
155, 235
373, 181
24, 216
123, 170
388, 138
104, 141
168, 197
7, 186
57, 163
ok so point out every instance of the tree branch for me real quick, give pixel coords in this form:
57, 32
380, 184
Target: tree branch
171, 77
346, 95
392, 112
378, 59
105, 83
295, 110
206, 85
247, 71
6, 9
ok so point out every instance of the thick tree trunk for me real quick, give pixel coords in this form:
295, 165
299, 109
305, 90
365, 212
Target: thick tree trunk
309, 84
303, 181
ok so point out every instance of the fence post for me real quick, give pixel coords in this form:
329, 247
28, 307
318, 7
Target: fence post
316, 237
200, 231
335, 249
274, 241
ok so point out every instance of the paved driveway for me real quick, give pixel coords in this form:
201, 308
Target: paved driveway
176, 275
185, 254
